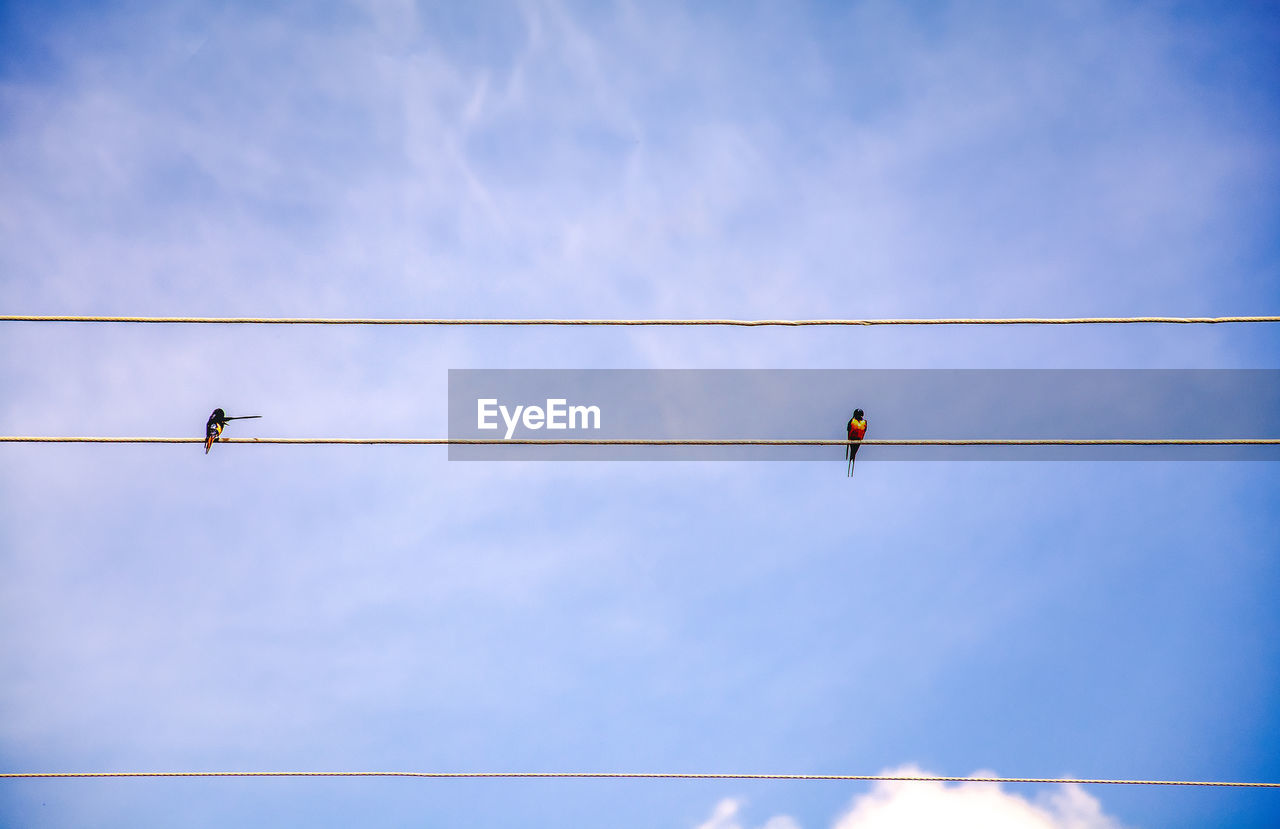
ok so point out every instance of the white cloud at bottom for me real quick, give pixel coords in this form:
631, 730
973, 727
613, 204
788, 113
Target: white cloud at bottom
910, 804
725, 816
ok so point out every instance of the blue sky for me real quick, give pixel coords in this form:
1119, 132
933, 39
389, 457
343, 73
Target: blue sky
280, 607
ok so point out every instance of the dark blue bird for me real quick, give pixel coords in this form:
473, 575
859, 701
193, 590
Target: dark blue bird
217, 421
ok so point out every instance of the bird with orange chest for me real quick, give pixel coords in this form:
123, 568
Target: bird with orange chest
855, 429
216, 423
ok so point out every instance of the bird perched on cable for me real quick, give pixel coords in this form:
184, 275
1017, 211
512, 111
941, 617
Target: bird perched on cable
217, 421
856, 429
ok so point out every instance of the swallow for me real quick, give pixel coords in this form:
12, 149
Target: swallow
855, 430
213, 428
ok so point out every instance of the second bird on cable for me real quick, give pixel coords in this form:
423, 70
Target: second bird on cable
216, 423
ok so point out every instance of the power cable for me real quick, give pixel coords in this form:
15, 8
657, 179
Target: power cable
538, 775
194, 320
664, 442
